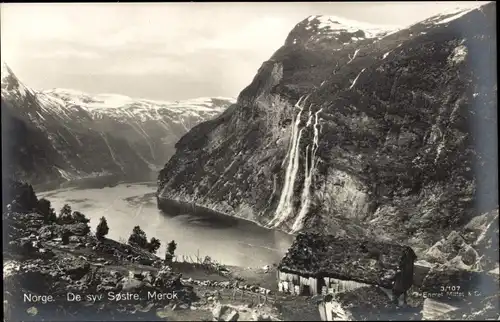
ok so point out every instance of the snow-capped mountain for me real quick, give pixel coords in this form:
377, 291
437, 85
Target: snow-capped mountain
151, 127
336, 32
356, 129
134, 136
114, 104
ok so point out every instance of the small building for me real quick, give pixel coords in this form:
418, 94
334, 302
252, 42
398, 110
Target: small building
326, 264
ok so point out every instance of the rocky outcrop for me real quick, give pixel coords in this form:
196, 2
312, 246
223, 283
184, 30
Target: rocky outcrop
475, 247
433, 309
461, 281
480, 309
390, 134
366, 304
63, 135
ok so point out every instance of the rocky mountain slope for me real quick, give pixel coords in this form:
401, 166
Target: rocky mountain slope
356, 130
64, 134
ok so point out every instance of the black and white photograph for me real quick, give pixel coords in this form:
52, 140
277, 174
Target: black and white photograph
250, 161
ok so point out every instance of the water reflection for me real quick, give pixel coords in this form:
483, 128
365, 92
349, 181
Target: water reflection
197, 231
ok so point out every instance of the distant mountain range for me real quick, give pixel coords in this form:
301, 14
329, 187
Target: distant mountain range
60, 134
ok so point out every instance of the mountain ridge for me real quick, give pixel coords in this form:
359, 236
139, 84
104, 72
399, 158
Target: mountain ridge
135, 137
392, 151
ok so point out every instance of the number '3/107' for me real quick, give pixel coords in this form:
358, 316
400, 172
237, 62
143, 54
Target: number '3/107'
450, 288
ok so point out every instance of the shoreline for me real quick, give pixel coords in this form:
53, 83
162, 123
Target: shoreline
184, 206
96, 182
215, 218
115, 180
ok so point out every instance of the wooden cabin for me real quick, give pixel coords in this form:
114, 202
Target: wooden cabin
326, 264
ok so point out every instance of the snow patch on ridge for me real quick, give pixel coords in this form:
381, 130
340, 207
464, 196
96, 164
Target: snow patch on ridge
117, 106
452, 15
339, 24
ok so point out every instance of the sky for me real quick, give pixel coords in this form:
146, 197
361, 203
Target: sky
167, 51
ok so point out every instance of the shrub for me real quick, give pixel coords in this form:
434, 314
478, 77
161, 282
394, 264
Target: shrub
45, 208
20, 195
169, 255
79, 217
153, 245
102, 228
65, 216
171, 247
138, 238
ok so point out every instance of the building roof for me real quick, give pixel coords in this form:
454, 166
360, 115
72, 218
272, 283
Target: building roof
364, 261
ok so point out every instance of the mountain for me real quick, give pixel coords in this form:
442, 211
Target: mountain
151, 127
59, 135
356, 130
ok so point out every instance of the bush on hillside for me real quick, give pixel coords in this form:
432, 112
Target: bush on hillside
153, 245
169, 255
65, 215
171, 247
78, 217
20, 196
138, 238
45, 208
102, 228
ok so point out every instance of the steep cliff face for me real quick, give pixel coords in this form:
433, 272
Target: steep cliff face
356, 130
59, 135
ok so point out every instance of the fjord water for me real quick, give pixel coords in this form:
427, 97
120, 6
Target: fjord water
228, 240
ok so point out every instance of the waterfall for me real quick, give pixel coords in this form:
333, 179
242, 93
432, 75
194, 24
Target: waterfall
143, 133
354, 81
292, 142
354, 56
285, 204
183, 124
309, 172
309, 119
111, 152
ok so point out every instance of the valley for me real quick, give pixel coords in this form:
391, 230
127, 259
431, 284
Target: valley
54, 134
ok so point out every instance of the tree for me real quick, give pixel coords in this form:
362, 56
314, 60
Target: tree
168, 257
171, 247
138, 238
45, 209
65, 215
20, 195
153, 245
102, 228
80, 218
